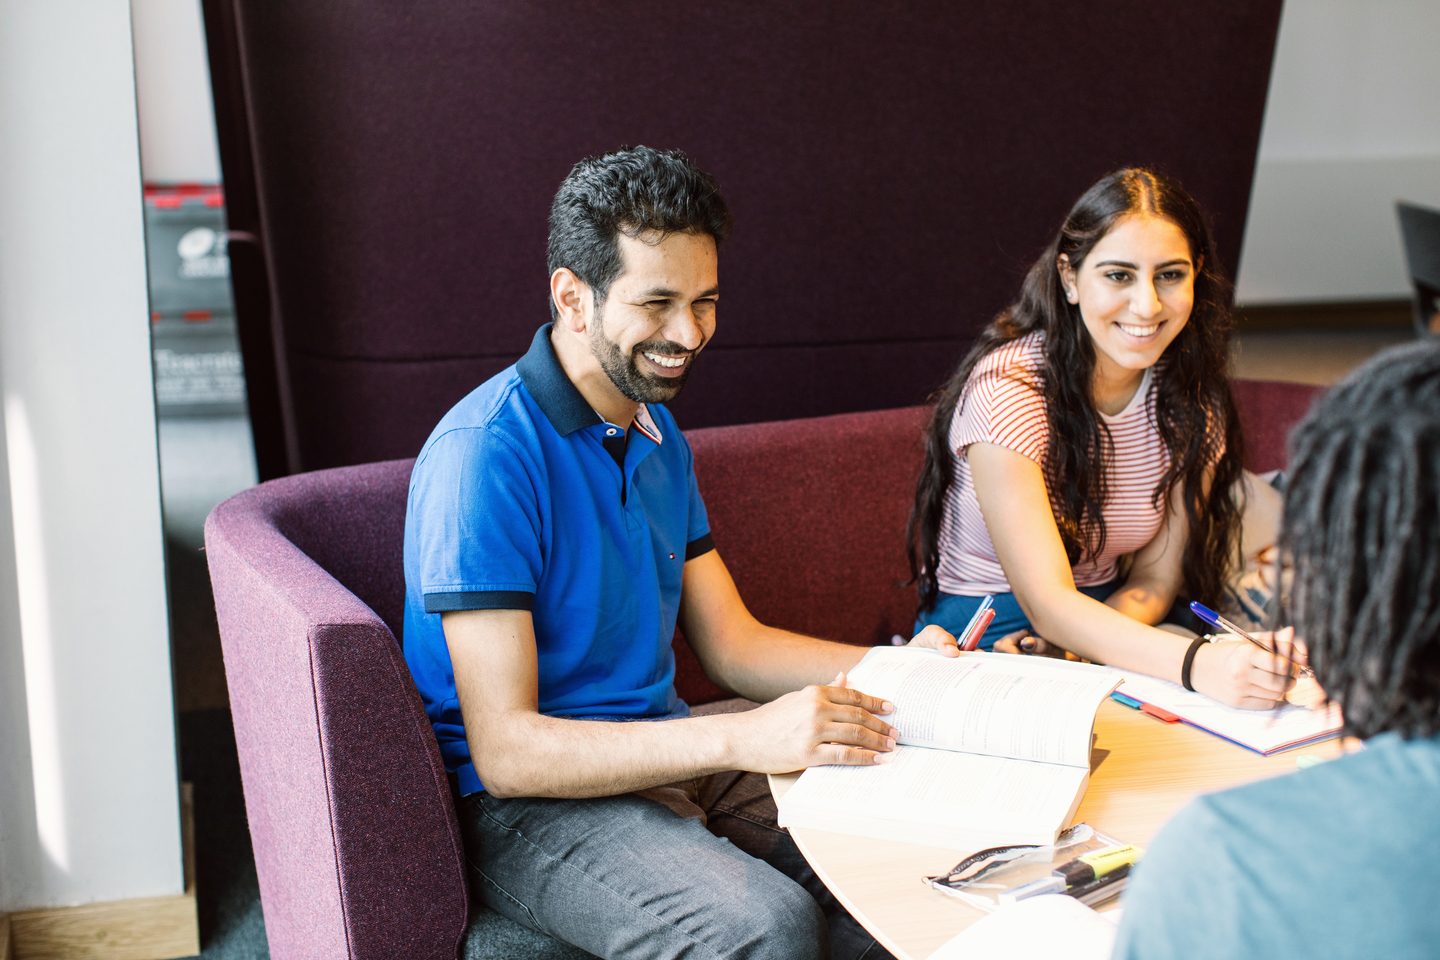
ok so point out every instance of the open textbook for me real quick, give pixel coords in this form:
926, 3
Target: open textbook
1302, 720
993, 749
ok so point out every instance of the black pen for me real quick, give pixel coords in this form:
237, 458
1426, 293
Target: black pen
1102, 888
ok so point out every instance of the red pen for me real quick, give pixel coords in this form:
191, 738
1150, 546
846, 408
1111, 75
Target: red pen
977, 630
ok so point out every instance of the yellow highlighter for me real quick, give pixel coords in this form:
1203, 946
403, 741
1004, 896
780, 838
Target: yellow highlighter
1091, 866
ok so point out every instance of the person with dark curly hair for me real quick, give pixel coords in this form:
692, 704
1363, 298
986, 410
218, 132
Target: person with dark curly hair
1337, 860
1082, 464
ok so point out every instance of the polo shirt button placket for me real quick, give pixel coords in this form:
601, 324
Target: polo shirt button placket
614, 444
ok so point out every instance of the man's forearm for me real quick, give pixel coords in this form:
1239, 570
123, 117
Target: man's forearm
742, 654
521, 753
533, 755
768, 662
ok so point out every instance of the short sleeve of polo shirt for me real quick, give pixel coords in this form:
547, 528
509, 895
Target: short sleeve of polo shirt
479, 523
1002, 406
699, 539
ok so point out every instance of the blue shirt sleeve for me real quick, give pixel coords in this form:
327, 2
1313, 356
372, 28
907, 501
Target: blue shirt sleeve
479, 523
698, 540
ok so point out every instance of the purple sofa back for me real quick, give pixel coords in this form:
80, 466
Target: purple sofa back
354, 831
893, 168
356, 844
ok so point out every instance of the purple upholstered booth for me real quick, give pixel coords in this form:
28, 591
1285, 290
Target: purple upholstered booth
893, 166
354, 830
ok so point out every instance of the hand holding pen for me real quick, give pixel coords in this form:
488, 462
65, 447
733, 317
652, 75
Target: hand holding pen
1241, 671
1220, 622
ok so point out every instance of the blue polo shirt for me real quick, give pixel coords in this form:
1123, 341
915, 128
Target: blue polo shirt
524, 498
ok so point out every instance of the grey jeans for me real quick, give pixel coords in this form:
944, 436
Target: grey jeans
696, 869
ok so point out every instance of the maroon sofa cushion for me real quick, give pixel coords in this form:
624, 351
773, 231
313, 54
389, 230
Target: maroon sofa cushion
1268, 409
809, 515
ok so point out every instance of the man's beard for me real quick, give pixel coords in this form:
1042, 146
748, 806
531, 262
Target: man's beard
626, 374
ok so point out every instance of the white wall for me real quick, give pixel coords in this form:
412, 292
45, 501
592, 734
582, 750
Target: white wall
177, 116
89, 806
1352, 124
16, 804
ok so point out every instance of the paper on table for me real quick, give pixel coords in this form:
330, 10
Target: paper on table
1050, 926
1264, 731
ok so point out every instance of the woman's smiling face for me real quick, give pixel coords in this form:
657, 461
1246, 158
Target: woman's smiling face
1135, 291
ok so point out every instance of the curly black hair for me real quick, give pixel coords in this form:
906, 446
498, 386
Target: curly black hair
1362, 536
635, 190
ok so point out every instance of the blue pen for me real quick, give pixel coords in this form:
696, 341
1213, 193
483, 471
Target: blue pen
1221, 623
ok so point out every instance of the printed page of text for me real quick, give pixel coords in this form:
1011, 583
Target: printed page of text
989, 703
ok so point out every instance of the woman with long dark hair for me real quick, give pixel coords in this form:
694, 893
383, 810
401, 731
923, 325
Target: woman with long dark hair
1083, 463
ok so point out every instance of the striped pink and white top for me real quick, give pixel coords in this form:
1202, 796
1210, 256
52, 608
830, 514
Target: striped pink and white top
1002, 404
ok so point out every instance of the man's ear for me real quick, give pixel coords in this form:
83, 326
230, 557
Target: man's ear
572, 299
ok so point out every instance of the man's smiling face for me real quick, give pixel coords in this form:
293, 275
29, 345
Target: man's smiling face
658, 315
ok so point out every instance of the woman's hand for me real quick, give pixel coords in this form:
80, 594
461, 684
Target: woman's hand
935, 637
1238, 673
1025, 642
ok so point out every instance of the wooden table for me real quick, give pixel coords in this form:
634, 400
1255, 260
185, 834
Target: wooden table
1143, 772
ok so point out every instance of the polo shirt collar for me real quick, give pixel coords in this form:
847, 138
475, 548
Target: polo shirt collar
557, 397
543, 376
646, 424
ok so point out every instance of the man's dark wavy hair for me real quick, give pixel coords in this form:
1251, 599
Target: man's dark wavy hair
1194, 408
636, 190
1362, 535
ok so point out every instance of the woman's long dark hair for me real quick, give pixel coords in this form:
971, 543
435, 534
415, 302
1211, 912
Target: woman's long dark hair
1362, 525
1194, 410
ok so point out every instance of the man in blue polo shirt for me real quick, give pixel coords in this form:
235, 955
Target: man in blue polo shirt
554, 536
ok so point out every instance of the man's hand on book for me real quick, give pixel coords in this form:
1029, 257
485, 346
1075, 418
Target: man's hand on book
815, 725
